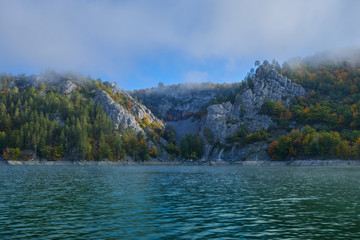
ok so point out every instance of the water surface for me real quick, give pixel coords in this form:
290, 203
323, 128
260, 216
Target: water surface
179, 202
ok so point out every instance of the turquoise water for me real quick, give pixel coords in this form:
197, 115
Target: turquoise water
187, 202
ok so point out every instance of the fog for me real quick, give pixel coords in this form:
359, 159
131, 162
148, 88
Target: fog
333, 56
110, 37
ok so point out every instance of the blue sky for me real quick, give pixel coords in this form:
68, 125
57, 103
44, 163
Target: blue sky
139, 43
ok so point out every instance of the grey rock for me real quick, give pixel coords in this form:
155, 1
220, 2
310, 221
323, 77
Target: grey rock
226, 118
253, 152
68, 87
220, 121
223, 120
52, 80
128, 118
60, 121
115, 89
182, 100
269, 84
163, 142
116, 112
183, 127
142, 112
11, 85
137, 109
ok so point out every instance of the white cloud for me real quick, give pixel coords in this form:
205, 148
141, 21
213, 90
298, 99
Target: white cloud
196, 76
104, 36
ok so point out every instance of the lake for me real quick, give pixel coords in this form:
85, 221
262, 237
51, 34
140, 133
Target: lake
179, 202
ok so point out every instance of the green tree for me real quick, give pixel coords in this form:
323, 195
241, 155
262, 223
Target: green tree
191, 147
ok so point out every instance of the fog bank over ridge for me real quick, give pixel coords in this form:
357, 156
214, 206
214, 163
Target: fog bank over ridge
330, 56
115, 38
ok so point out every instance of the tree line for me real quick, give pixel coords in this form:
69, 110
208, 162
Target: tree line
54, 126
327, 121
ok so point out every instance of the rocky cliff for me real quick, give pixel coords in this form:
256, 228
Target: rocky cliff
66, 83
215, 112
137, 109
178, 105
182, 106
131, 118
225, 119
179, 102
269, 84
116, 112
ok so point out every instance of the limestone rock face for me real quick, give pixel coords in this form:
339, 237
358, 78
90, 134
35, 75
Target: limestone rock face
176, 104
128, 118
142, 112
223, 121
220, 121
180, 104
183, 100
253, 152
226, 118
137, 109
116, 112
115, 89
269, 84
67, 87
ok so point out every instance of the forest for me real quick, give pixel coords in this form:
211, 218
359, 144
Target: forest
42, 122
327, 121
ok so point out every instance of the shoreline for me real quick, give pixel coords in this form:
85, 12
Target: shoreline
333, 162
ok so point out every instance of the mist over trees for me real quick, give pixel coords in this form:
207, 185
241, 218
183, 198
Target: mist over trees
327, 120
43, 122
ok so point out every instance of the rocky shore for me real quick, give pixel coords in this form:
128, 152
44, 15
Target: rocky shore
185, 163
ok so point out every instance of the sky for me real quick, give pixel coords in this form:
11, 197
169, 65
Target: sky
139, 43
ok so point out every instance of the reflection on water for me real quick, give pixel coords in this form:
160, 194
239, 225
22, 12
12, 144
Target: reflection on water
190, 202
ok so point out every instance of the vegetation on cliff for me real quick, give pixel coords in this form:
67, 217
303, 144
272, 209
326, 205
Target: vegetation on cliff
41, 121
66, 118
327, 121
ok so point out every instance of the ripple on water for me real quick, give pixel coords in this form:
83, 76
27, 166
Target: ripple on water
233, 202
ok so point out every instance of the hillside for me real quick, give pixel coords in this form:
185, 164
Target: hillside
56, 116
308, 108
328, 118
305, 110
219, 122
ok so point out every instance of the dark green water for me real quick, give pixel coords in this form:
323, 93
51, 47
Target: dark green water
232, 202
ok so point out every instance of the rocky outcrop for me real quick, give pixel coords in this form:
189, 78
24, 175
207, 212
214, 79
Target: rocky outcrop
269, 84
223, 120
178, 102
116, 112
115, 89
67, 87
253, 152
142, 112
128, 118
183, 127
179, 106
137, 109
53, 80
226, 118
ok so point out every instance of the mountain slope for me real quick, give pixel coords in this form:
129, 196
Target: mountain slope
301, 110
224, 120
57, 116
305, 110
